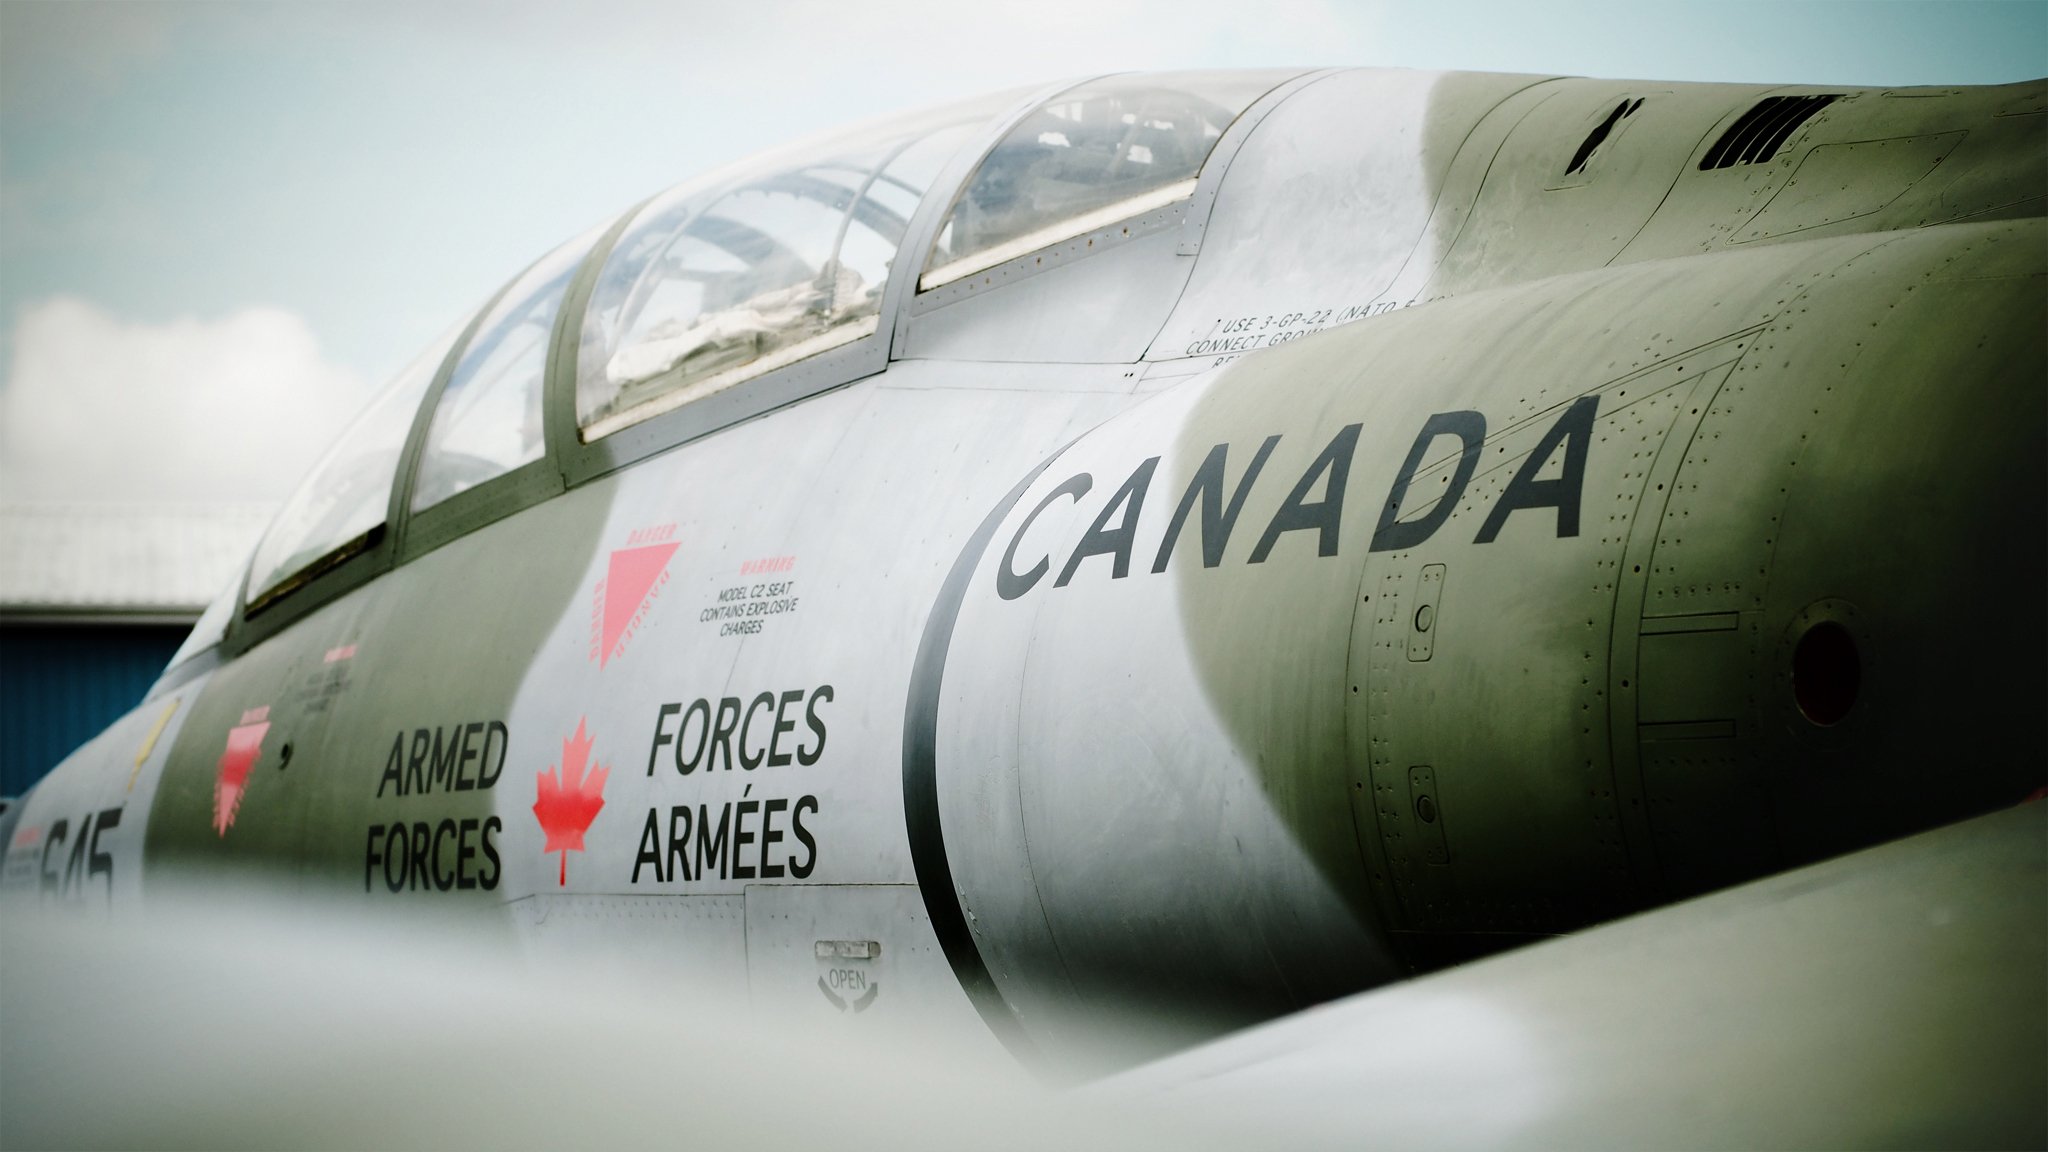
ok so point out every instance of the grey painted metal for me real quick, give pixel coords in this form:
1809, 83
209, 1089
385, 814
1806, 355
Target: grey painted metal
1095, 299
861, 952
1274, 267
1195, 221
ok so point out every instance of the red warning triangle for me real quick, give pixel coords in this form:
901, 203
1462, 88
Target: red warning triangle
245, 744
627, 582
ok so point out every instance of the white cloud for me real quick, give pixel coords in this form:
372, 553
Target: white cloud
191, 410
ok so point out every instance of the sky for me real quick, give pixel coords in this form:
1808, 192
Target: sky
223, 224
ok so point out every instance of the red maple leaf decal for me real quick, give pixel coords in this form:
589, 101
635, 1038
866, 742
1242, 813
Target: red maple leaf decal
568, 800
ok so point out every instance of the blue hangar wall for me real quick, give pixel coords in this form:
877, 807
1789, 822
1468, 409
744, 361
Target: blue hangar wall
61, 683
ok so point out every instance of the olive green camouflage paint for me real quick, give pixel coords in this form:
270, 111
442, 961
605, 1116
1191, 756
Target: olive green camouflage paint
1849, 422
447, 639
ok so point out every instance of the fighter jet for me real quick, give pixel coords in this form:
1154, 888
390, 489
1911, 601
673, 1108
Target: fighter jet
1181, 548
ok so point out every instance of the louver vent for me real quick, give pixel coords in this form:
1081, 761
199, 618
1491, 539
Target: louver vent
1599, 135
1763, 129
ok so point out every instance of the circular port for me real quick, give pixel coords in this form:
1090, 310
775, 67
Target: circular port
1425, 809
1826, 673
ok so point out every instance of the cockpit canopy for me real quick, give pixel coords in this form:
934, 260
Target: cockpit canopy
729, 278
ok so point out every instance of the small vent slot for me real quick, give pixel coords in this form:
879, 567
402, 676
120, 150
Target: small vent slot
1763, 129
1599, 134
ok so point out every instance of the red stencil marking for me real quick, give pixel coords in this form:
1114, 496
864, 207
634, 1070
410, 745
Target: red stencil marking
245, 743
628, 580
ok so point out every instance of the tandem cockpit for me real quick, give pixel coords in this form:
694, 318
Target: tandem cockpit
732, 294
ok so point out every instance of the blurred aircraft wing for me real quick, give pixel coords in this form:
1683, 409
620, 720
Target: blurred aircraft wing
1896, 997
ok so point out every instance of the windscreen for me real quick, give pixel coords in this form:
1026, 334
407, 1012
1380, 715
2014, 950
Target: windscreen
346, 495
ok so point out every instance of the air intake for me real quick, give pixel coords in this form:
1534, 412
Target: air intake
1763, 129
